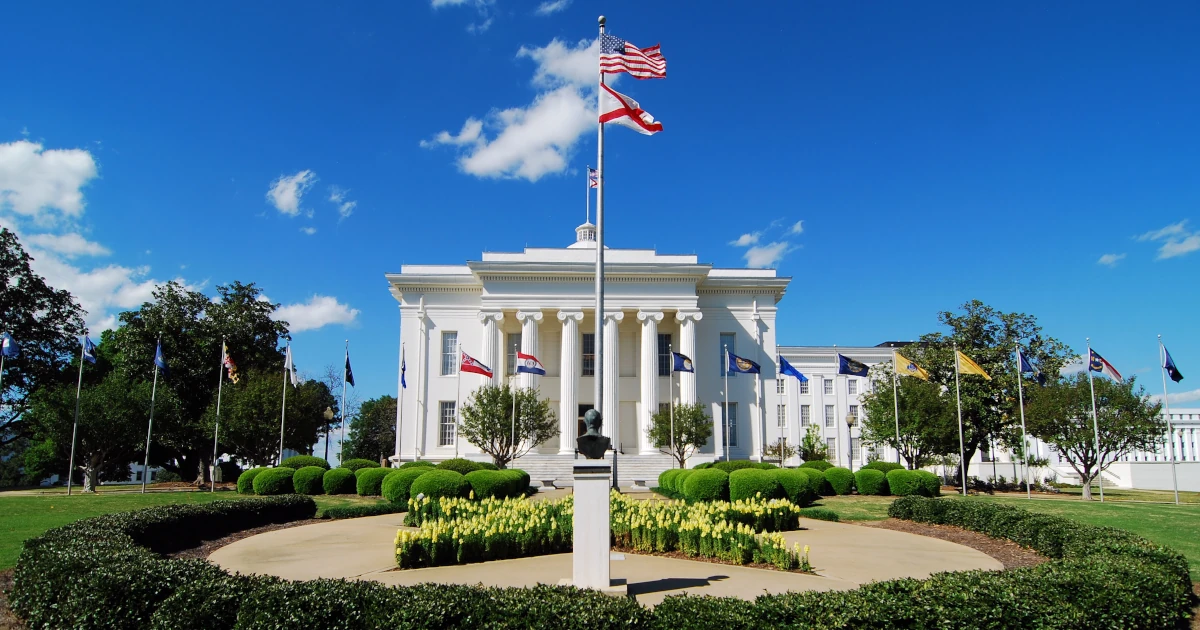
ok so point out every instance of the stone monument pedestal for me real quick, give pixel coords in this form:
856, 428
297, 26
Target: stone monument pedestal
592, 541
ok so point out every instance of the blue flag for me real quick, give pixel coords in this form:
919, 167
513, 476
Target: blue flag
403, 369
786, 368
1169, 366
846, 365
89, 350
161, 360
1027, 368
682, 363
8, 345
745, 366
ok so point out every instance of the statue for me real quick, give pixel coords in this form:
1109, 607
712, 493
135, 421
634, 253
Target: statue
592, 444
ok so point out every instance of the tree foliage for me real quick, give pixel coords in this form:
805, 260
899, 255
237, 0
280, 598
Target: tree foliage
692, 428
928, 424
812, 445
487, 422
251, 412
372, 430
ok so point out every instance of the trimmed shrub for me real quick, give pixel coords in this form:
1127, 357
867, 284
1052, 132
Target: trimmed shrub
274, 481
666, 477
903, 482
518, 481
797, 486
702, 466
711, 484
766, 466
436, 484
489, 483
245, 482
820, 483
818, 464
487, 466
750, 482
871, 481
840, 479
397, 483
684, 473
420, 463
734, 464
303, 461
883, 467
339, 481
357, 463
307, 480
930, 484
460, 465
363, 509
369, 481
820, 514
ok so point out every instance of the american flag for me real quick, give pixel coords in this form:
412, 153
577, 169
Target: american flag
593, 178
618, 55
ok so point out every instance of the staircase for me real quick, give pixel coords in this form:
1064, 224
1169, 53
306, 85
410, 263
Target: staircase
637, 472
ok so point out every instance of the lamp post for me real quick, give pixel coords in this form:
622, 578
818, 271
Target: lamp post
850, 420
328, 420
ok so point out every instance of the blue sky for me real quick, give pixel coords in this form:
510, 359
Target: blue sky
1040, 158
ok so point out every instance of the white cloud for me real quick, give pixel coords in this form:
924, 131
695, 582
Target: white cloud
25, 131
337, 195
476, 28
286, 192
1176, 239
97, 290
1074, 366
309, 230
68, 245
1110, 260
1175, 229
437, 4
552, 6
1179, 247
319, 311
35, 182
746, 240
797, 228
1179, 397
560, 63
767, 255
471, 130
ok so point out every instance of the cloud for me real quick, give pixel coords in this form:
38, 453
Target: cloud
318, 312
552, 6
1074, 366
43, 184
476, 28
797, 228
1176, 240
309, 230
470, 133
286, 192
1178, 397
746, 240
1110, 260
560, 63
437, 4
345, 207
68, 245
767, 255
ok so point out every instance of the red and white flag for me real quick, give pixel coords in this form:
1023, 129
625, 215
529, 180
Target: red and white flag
618, 55
593, 178
622, 110
1097, 363
470, 364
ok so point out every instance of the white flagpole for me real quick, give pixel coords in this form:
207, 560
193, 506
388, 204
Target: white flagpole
150, 426
762, 420
400, 403
342, 439
1024, 435
457, 399
725, 412
287, 365
1095, 420
75, 427
896, 400
962, 449
598, 354
1162, 352
671, 398
217, 425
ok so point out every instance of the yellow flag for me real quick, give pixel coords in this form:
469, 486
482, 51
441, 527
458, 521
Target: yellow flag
967, 366
905, 367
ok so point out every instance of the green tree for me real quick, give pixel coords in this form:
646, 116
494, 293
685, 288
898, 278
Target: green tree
1061, 415
487, 422
373, 430
45, 321
251, 413
692, 430
812, 445
928, 424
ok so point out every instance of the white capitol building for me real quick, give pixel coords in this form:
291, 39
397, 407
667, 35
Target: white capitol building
541, 302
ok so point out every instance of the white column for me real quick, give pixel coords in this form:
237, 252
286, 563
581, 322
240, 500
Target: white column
529, 343
649, 377
687, 347
419, 426
491, 342
758, 432
568, 381
610, 405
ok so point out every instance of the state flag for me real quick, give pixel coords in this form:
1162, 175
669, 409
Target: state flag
849, 366
905, 367
593, 178
9, 346
229, 365
1097, 363
1169, 365
289, 366
744, 366
787, 369
89, 350
528, 364
619, 109
470, 364
160, 360
966, 366
349, 372
1027, 368
681, 363
403, 369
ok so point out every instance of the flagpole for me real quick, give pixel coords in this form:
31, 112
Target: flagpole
1095, 421
1162, 351
75, 426
217, 424
725, 412
342, 439
150, 427
598, 368
671, 398
400, 404
762, 421
962, 449
896, 400
457, 399
283, 408
512, 442
1024, 435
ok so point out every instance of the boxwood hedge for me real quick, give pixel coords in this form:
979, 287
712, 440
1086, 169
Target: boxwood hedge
681, 478
397, 483
797, 486
818, 464
245, 482
274, 481
734, 464
840, 479
307, 480
420, 463
440, 483
357, 463
748, 482
903, 482
370, 481
871, 481
883, 467
489, 483
710, 484
339, 481
301, 461
519, 480
666, 478
929, 483
460, 465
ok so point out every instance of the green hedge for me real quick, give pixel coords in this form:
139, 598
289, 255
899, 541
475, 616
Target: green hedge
883, 467
903, 482
710, 484
362, 509
820, 484
871, 481
308, 480
750, 482
797, 486
274, 481
519, 480
489, 483
358, 463
440, 483
397, 483
702, 466
303, 461
667, 477
840, 479
420, 463
818, 464
929, 483
487, 466
734, 464
460, 465
339, 481
766, 466
245, 482
369, 481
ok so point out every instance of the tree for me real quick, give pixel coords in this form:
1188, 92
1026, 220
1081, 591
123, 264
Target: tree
1061, 415
693, 428
373, 430
46, 322
812, 445
780, 450
251, 410
487, 422
928, 425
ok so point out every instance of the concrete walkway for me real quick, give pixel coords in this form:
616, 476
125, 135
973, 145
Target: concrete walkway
844, 556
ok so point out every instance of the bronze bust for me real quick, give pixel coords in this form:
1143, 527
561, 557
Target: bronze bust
592, 444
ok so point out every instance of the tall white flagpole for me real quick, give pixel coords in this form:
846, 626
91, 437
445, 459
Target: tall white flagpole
598, 368
1095, 420
671, 398
342, 439
725, 412
962, 449
287, 365
217, 425
762, 420
400, 403
457, 399
1162, 355
75, 427
150, 426
1024, 435
896, 400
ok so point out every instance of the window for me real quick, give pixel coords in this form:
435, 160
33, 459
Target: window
855, 448
830, 416
728, 342
732, 418
137, 476
831, 445
588, 357
852, 386
664, 354
449, 353
447, 422
828, 387
781, 416
854, 411
781, 386
803, 387
805, 415
514, 346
